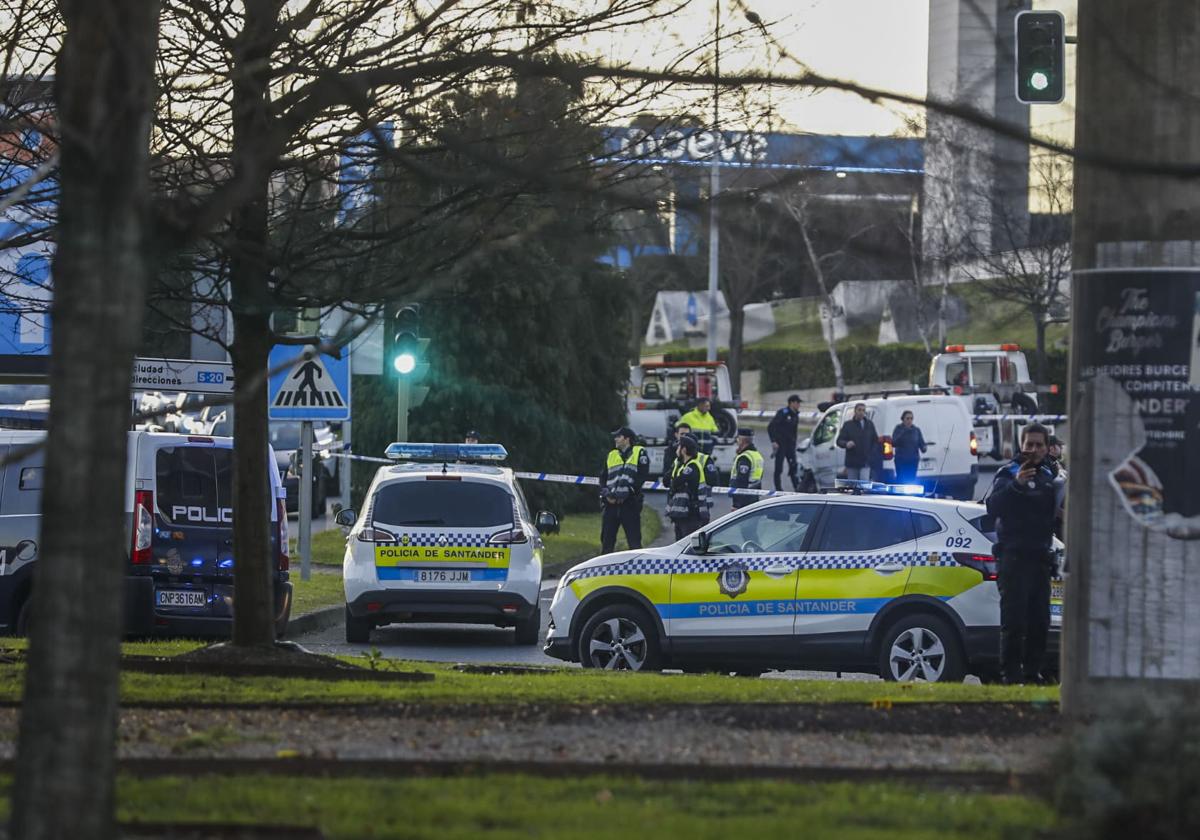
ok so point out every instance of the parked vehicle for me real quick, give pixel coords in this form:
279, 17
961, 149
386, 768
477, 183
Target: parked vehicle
179, 503
949, 467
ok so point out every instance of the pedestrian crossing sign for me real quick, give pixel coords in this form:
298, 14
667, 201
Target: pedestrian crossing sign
307, 386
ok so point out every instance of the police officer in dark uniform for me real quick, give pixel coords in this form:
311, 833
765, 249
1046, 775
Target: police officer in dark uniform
747, 469
782, 432
625, 470
672, 451
683, 501
1024, 499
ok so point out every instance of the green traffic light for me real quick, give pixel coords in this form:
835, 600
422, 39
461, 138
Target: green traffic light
405, 363
1039, 80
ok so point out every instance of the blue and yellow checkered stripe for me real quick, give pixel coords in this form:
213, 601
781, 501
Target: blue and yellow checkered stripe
761, 562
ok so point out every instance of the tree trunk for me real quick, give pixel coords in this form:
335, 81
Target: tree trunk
827, 330
104, 93
250, 301
737, 328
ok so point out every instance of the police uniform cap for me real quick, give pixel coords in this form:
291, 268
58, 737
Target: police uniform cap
746, 433
624, 431
472, 434
794, 398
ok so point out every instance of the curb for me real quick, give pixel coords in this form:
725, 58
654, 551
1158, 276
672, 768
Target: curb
315, 621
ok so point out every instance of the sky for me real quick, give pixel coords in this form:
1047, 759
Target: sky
880, 43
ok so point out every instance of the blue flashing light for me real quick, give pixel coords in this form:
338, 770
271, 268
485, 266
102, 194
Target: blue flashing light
879, 488
227, 563
446, 452
197, 561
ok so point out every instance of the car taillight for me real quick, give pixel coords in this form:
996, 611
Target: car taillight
974, 444
516, 536
889, 448
282, 562
143, 527
985, 564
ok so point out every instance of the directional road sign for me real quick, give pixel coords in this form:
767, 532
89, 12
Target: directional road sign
182, 375
310, 387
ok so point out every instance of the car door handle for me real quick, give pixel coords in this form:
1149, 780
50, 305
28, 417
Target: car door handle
889, 568
779, 571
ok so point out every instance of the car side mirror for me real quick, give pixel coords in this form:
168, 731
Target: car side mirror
699, 542
346, 518
804, 444
547, 522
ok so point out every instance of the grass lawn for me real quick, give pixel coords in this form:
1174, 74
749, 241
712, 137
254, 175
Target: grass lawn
322, 589
579, 539
328, 548
556, 685
516, 806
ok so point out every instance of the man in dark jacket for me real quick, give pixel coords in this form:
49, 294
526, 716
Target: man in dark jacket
671, 451
782, 432
860, 440
1024, 500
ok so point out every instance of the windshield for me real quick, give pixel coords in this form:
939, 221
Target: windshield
443, 504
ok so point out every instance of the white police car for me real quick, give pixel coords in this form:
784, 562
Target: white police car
442, 539
899, 585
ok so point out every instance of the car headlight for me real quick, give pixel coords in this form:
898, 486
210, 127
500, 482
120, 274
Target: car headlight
566, 580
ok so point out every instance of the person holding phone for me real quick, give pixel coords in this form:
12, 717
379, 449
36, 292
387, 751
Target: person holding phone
1024, 499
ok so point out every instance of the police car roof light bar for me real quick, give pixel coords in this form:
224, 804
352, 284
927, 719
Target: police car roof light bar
878, 488
446, 452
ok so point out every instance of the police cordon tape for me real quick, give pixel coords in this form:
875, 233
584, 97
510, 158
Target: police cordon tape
978, 418
572, 479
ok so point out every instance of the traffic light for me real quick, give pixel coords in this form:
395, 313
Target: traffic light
406, 339
1041, 76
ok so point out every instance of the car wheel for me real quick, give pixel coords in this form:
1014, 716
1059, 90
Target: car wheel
528, 629
620, 638
921, 647
358, 630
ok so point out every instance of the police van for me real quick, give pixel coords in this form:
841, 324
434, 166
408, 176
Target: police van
445, 536
867, 580
948, 467
179, 510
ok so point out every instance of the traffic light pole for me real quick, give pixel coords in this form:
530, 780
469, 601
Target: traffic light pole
305, 473
403, 403
1133, 530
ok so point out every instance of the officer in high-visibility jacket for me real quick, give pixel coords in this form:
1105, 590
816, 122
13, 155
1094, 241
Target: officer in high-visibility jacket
625, 470
703, 424
747, 469
684, 502
671, 452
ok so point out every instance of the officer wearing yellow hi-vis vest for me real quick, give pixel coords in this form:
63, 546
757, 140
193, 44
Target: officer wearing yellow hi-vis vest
625, 471
747, 469
703, 424
684, 500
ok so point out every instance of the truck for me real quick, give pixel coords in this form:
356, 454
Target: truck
659, 393
991, 379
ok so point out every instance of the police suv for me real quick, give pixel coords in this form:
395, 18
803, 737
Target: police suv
869, 579
179, 509
442, 539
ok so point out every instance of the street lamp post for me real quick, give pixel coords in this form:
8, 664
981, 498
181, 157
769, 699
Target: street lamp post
714, 246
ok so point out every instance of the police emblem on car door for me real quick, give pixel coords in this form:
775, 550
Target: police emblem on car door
744, 584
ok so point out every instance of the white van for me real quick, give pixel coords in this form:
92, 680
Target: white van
179, 509
949, 467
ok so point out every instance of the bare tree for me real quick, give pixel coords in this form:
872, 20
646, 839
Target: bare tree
104, 97
1030, 263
